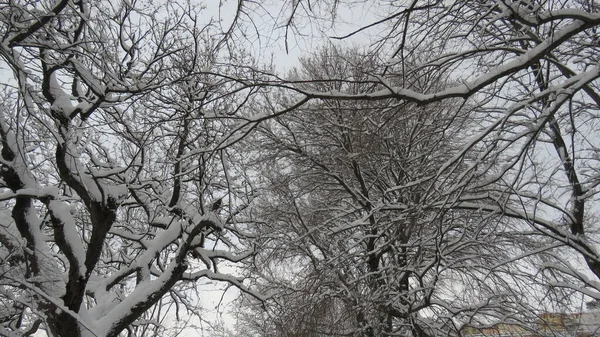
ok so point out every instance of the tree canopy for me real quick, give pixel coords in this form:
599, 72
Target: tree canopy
439, 177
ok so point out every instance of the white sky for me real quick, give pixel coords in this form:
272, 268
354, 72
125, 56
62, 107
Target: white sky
265, 35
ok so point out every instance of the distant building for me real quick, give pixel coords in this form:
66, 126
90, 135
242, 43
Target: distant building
585, 324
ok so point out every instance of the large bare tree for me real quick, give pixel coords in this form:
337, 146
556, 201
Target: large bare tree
527, 74
358, 239
118, 181
530, 69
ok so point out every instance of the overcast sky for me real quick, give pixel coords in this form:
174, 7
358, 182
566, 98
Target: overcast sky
264, 32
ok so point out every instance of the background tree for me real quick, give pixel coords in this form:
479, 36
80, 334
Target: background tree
530, 68
358, 239
116, 125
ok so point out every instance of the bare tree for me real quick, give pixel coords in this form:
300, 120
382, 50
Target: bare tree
530, 69
358, 240
118, 181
